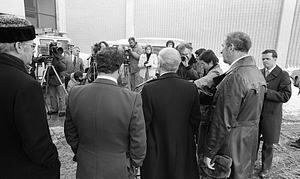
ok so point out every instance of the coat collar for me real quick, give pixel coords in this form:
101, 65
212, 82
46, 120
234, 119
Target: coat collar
12, 61
243, 62
105, 81
274, 73
168, 75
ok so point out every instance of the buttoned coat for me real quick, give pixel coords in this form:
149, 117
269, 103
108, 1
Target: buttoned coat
172, 115
26, 148
106, 130
237, 105
278, 92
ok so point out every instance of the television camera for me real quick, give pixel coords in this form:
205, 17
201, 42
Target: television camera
49, 52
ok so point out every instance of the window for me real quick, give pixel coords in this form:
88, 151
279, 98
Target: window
41, 13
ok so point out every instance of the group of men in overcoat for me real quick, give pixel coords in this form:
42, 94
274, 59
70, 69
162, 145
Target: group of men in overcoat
107, 125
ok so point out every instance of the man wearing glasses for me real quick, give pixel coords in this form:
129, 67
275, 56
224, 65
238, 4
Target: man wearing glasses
26, 148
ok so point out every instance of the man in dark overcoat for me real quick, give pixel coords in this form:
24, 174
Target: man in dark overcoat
278, 92
26, 148
172, 114
237, 105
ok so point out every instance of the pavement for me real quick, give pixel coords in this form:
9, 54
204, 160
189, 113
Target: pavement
53, 120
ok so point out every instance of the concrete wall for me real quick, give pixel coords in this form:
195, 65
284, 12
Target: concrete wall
89, 22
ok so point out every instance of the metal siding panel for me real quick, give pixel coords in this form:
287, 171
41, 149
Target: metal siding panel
205, 23
293, 57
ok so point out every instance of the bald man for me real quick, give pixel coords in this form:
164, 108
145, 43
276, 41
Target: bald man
172, 115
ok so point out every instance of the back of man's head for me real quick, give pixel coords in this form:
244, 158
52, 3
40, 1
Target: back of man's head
109, 60
240, 40
14, 29
169, 59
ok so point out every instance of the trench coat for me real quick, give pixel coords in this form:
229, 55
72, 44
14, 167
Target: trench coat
26, 148
105, 128
172, 115
278, 92
237, 105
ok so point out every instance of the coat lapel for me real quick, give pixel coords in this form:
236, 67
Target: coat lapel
274, 73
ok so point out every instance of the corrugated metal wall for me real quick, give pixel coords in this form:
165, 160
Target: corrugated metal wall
92, 21
205, 23
293, 57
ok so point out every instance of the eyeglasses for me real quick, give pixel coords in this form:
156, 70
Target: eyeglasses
31, 44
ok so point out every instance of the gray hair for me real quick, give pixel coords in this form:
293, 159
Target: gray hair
169, 59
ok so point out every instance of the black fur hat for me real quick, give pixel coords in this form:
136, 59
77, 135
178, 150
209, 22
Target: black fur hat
15, 29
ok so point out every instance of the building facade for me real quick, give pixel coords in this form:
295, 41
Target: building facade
270, 23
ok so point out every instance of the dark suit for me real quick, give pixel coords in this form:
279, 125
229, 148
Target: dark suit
278, 92
26, 148
172, 114
106, 129
71, 67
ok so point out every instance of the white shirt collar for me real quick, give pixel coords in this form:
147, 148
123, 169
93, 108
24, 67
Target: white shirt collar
108, 78
271, 69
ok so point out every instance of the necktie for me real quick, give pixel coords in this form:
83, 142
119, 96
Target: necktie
267, 73
74, 61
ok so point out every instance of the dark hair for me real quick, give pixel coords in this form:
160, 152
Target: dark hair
78, 74
97, 46
170, 42
199, 51
109, 59
274, 53
149, 47
207, 56
131, 38
240, 40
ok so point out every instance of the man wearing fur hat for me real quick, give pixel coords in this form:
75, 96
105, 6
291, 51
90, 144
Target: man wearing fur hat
26, 148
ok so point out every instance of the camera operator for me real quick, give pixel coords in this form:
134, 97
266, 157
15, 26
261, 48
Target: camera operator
134, 51
189, 67
92, 70
56, 89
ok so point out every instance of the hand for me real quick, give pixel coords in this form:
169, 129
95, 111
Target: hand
208, 163
126, 48
186, 61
